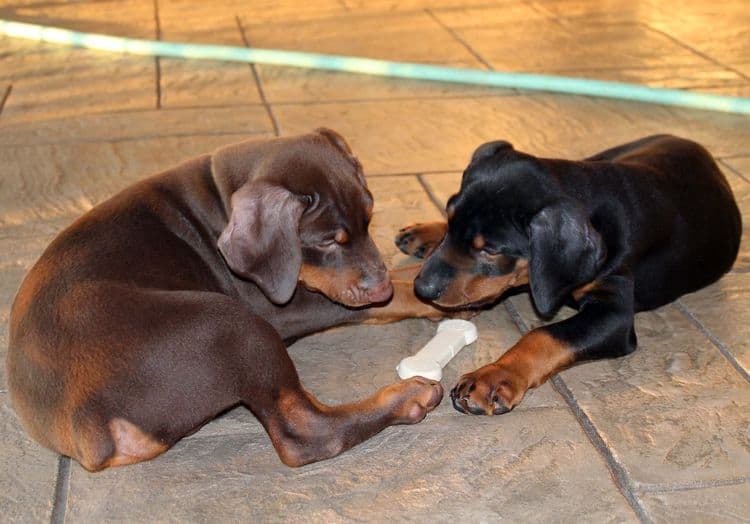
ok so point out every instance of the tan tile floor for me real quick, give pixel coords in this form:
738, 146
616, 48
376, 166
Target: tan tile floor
662, 435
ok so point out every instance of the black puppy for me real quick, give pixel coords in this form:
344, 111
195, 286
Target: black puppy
627, 230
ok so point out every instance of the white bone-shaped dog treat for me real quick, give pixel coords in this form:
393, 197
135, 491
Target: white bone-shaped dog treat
452, 336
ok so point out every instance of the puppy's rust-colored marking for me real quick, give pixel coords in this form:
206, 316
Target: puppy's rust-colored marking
478, 241
339, 284
131, 444
498, 387
584, 290
469, 288
537, 356
342, 237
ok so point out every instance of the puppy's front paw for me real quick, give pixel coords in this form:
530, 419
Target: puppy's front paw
410, 400
421, 239
490, 390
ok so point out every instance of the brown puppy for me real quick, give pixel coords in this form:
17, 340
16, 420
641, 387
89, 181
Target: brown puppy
172, 301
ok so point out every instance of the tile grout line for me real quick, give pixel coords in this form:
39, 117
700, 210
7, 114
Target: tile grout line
619, 475
427, 189
459, 39
689, 486
62, 489
724, 350
157, 60
258, 84
694, 50
551, 15
733, 169
6, 95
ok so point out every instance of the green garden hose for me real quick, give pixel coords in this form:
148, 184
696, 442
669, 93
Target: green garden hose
535, 82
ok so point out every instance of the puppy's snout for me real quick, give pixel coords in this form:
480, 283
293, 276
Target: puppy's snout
377, 288
375, 283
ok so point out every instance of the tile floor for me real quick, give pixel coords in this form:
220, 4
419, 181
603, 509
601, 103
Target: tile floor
662, 435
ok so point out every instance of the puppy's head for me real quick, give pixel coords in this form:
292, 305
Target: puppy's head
300, 214
509, 225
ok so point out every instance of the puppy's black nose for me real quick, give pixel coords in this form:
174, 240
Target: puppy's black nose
426, 288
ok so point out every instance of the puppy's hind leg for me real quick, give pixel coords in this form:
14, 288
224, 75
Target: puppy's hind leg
204, 354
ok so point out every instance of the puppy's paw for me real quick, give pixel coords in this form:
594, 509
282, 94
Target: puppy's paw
421, 239
410, 400
490, 390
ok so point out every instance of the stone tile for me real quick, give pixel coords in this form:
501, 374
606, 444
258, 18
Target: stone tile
200, 22
727, 37
633, 45
607, 11
485, 14
715, 504
475, 467
674, 411
204, 83
55, 81
285, 84
138, 125
286, 10
723, 309
132, 18
406, 5
440, 135
407, 37
27, 483
72, 91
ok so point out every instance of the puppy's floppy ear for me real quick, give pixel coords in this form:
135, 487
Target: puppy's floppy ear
261, 240
336, 139
565, 253
490, 149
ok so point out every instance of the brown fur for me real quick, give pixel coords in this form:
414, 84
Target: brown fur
172, 301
